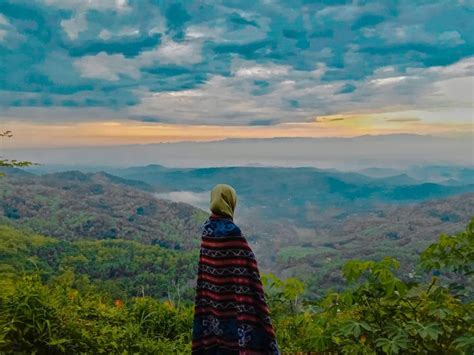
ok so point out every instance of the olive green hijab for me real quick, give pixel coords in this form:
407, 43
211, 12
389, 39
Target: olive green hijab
223, 200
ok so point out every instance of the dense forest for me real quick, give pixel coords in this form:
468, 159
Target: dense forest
78, 207
51, 304
122, 268
95, 263
75, 206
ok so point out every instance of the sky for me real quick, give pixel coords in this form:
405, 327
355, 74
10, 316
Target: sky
107, 72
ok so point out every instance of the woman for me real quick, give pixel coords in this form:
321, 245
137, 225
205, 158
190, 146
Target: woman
231, 315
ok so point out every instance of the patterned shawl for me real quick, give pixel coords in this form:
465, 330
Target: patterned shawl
231, 315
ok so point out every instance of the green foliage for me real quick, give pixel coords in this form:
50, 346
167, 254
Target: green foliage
64, 318
378, 312
283, 295
452, 257
454, 253
122, 268
382, 312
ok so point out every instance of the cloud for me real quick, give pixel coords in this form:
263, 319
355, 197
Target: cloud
459, 91
388, 81
9, 36
451, 38
339, 13
111, 66
119, 5
402, 120
4, 26
106, 66
74, 25
196, 199
259, 95
170, 52
249, 63
261, 71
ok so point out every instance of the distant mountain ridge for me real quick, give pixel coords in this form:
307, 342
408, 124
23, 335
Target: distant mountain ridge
290, 191
447, 175
341, 153
336, 139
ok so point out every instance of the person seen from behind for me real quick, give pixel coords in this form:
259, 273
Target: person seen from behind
231, 315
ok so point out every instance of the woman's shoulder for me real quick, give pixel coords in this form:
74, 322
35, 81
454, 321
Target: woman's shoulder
220, 227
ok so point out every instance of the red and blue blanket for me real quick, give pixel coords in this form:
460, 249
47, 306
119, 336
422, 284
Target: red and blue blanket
231, 315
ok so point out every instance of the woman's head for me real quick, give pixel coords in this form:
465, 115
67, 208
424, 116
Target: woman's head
223, 200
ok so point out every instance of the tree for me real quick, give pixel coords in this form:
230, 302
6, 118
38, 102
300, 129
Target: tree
7, 163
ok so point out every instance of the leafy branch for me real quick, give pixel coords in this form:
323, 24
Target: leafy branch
12, 163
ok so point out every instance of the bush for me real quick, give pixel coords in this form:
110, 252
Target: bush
378, 313
58, 319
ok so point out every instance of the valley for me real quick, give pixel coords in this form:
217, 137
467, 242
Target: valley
303, 223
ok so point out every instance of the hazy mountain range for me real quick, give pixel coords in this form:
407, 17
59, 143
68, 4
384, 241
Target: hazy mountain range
394, 151
305, 196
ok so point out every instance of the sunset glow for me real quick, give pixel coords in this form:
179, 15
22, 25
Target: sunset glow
29, 135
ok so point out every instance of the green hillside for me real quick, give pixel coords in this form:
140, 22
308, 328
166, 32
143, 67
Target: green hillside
120, 267
73, 205
98, 207
50, 304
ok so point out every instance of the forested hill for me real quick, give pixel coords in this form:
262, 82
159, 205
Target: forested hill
73, 205
403, 232
122, 268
